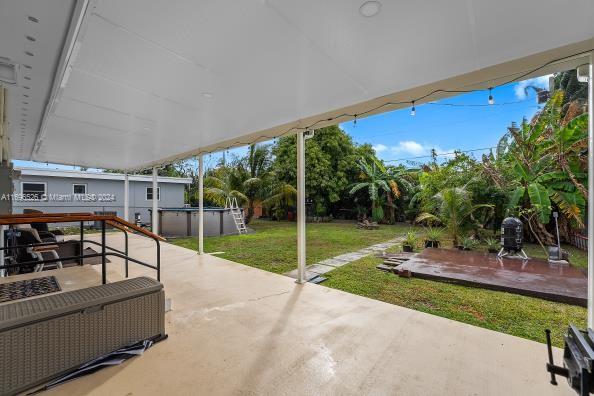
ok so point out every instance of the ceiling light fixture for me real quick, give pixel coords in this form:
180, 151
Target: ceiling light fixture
370, 8
9, 71
413, 111
491, 100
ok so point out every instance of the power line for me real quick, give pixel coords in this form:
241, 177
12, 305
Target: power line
479, 104
441, 154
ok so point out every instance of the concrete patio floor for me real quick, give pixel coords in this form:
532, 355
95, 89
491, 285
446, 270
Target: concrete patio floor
239, 330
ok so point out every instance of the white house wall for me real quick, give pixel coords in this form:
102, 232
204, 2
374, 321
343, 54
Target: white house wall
172, 196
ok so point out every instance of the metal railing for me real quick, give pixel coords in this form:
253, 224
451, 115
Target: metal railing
114, 221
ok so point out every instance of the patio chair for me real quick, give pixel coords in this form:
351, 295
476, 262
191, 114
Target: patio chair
43, 230
30, 236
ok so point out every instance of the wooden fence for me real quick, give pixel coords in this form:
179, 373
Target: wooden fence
579, 241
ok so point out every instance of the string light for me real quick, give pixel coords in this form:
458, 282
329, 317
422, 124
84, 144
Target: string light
355, 121
491, 101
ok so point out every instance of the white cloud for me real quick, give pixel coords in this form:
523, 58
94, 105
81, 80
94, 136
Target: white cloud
540, 82
409, 147
380, 148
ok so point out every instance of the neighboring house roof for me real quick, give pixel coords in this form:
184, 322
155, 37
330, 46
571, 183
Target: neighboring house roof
26, 171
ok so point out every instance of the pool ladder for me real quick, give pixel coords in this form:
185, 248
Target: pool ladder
232, 205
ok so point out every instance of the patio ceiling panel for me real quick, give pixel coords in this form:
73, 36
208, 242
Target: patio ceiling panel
160, 72
170, 79
508, 29
102, 93
393, 50
52, 19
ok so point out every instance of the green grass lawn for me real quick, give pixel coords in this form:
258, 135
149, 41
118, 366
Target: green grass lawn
274, 248
274, 245
508, 313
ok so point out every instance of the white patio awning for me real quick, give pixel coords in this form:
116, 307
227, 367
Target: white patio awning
129, 84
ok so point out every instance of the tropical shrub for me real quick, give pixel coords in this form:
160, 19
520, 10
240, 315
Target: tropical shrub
454, 209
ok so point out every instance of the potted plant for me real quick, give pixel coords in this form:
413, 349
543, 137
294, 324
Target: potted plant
468, 243
492, 245
410, 241
433, 237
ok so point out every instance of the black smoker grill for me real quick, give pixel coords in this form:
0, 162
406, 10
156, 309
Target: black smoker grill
512, 235
578, 360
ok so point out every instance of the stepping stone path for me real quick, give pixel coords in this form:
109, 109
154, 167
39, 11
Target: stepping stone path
314, 272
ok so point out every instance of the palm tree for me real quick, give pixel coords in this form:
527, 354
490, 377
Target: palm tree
454, 209
398, 179
377, 178
280, 195
258, 170
374, 178
223, 183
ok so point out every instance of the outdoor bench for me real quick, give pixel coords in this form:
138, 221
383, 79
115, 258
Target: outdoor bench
43, 338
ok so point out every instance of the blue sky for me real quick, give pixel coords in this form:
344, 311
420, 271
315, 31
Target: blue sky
399, 136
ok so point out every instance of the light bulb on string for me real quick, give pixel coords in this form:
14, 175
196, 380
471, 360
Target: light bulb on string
491, 100
413, 110
355, 121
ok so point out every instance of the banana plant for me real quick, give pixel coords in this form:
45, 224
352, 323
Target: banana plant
547, 166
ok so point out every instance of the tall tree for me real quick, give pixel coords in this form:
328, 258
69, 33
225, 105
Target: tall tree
330, 166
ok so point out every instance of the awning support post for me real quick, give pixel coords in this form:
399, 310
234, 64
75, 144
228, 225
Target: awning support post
591, 194
3, 271
301, 207
201, 204
126, 197
155, 217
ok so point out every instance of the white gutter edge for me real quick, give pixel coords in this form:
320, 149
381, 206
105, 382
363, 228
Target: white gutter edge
69, 52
